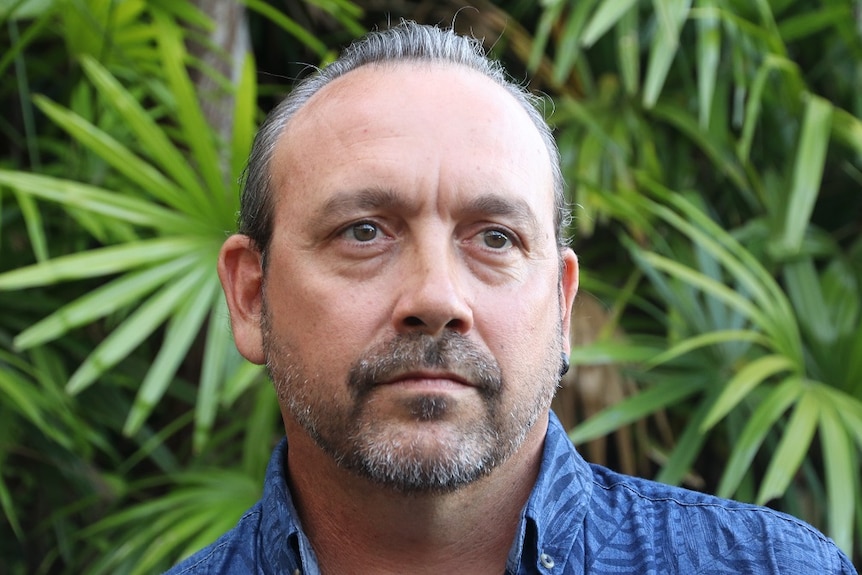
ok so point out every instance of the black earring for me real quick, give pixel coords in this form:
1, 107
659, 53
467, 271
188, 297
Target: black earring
564, 369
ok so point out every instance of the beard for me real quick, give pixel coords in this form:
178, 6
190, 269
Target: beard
440, 442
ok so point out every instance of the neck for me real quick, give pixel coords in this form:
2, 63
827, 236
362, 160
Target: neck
357, 526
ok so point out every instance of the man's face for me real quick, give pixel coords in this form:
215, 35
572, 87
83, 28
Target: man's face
413, 307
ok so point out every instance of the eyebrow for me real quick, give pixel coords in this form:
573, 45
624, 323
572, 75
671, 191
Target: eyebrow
516, 209
346, 204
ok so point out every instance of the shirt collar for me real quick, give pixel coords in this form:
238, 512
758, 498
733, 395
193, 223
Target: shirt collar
554, 514
285, 547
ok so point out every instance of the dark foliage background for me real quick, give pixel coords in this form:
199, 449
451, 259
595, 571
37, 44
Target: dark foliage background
713, 150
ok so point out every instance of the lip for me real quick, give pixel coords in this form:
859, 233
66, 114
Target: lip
429, 378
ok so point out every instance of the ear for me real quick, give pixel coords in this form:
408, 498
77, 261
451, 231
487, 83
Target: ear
241, 275
568, 290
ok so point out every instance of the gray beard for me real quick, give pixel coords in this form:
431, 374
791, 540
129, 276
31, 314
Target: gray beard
373, 449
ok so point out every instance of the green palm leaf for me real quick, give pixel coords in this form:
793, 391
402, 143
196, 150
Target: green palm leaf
244, 118
136, 328
202, 506
220, 358
842, 478
152, 137
669, 392
759, 424
184, 325
688, 445
196, 131
100, 201
706, 339
743, 383
605, 17
101, 261
672, 14
808, 171
109, 298
792, 448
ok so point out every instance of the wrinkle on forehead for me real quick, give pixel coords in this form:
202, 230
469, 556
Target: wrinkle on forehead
430, 107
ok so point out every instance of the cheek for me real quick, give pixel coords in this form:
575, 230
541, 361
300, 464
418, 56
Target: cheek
325, 321
518, 326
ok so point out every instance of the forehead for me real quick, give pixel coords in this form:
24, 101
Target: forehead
424, 123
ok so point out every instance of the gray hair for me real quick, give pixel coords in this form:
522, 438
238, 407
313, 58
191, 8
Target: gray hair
405, 42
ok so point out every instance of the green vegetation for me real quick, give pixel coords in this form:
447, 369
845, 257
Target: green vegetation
713, 149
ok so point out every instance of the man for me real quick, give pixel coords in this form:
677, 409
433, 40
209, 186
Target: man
402, 271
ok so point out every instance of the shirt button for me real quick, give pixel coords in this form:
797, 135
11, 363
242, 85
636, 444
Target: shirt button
546, 560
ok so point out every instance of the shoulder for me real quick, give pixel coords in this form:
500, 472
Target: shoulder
234, 552
694, 532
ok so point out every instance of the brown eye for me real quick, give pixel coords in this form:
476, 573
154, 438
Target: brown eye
496, 239
362, 232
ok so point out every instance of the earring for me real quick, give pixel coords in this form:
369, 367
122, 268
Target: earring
564, 369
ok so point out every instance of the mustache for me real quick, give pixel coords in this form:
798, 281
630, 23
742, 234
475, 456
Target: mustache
451, 352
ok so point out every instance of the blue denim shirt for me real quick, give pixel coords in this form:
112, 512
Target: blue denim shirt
580, 518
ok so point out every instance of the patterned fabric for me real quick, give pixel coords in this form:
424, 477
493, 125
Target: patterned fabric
580, 519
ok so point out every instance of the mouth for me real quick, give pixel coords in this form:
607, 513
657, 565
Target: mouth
419, 363
428, 379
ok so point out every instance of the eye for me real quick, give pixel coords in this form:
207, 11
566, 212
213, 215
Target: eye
496, 239
362, 232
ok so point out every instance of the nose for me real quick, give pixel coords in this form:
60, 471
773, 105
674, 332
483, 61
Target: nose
431, 295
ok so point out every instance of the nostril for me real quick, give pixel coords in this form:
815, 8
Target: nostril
413, 321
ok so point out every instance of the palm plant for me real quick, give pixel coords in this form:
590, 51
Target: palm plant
146, 193
698, 135
181, 213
